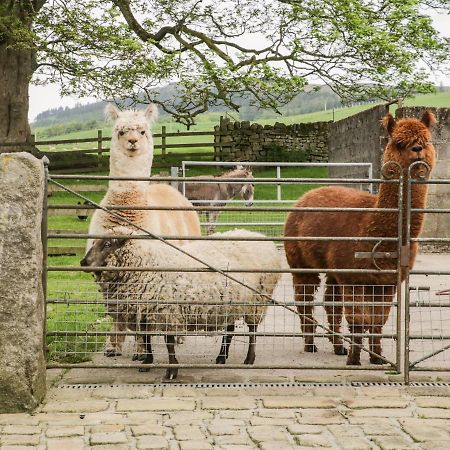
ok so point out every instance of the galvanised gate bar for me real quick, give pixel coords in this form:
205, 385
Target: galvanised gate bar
83, 324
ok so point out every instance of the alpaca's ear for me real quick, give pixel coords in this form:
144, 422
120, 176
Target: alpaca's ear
388, 122
428, 119
111, 112
151, 113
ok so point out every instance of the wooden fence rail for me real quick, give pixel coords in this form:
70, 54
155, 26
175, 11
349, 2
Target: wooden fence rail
66, 159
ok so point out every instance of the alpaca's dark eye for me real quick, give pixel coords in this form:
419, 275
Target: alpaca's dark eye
401, 145
142, 132
121, 133
107, 244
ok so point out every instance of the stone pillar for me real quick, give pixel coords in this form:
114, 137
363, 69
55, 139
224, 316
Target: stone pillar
22, 362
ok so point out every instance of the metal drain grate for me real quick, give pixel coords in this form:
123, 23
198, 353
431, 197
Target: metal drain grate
253, 385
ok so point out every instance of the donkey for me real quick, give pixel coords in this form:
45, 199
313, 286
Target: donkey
218, 194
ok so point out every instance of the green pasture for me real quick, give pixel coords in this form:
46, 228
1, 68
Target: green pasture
206, 122
66, 286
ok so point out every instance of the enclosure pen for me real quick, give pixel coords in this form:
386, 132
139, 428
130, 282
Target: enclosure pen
79, 322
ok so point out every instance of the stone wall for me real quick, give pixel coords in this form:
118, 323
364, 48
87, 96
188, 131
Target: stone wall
436, 225
242, 141
22, 363
358, 138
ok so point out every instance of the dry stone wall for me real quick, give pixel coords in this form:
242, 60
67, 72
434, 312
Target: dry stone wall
357, 139
242, 141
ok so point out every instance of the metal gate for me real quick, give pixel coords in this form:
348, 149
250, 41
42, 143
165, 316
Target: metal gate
427, 300
80, 324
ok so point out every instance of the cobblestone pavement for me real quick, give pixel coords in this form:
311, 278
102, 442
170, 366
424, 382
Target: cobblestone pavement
267, 417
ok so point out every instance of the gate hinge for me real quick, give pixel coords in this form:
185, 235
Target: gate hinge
404, 256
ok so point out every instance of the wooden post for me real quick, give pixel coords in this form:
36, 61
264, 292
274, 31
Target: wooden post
99, 148
217, 147
163, 142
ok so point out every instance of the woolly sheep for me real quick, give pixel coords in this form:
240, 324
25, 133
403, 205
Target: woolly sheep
177, 302
132, 156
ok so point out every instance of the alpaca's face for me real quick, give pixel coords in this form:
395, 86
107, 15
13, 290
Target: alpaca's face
132, 134
410, 140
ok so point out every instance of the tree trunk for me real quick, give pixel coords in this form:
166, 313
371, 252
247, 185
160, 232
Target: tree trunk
16, 69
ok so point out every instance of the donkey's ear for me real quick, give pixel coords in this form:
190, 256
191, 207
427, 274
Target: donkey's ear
151, 113
388, 123
111, 112
428, 119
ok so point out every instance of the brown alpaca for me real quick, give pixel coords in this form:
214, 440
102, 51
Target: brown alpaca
409, 141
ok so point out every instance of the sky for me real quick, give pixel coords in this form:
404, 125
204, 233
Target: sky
46, 97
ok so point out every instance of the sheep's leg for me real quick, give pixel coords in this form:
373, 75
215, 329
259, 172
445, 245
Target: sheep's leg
305, 287
148, 353
115, 341
172, 372
250, 359
334, 314
140, 349
225, 347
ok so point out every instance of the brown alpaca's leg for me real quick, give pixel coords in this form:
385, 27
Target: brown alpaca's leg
305, 286
334, 314
375, 345
353, 297
354, 357
380, 314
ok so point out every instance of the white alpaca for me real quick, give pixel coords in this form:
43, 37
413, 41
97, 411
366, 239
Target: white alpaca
131, 155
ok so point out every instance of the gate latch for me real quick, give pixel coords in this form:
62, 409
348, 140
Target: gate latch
386, 255
373, 255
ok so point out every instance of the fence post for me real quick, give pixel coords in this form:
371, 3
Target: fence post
163, 141
217, 144
174, 174
99, 147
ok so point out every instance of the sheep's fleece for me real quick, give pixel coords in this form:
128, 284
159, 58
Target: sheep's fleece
182, 301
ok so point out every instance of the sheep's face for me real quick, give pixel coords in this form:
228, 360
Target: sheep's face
98, 255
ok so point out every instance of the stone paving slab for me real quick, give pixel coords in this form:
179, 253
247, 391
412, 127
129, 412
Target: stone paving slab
184, 418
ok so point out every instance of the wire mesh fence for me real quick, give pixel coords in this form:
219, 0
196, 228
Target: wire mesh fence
87, 325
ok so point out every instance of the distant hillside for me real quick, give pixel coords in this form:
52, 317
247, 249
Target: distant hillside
82, 117
69, 120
